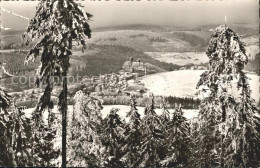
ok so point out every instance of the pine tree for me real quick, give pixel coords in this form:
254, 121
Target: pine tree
132, 135
5, 158
113, 139
178, 140
165, 116
85, 145
44, 151
54, 135
4, 100
15, 136
206, 136
229, 126
133, 115
152, 138
56, 24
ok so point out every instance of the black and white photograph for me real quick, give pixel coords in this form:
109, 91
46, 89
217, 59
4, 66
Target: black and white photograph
130, 83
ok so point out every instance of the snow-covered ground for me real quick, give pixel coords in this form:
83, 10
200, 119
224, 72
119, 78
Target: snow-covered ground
183, 83
123, 109
188, 113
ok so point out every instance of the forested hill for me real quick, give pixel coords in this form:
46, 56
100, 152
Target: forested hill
109, 59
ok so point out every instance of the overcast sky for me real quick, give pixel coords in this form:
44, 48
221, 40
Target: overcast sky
173, 13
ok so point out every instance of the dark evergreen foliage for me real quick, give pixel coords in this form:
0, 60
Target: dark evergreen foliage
152, 138
228, 120
85, 133
56, 25
15, 137
113, 139
178, 141
132, 135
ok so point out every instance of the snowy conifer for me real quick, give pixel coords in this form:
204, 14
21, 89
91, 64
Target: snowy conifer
133, 135
165, 116
44, 152
178, 140
228, 117
15, 137
4, 118
56, 25
113, 139
152, 138
85, 146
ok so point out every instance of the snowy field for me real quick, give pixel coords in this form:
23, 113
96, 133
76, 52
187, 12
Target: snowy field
188, 113
183, 83
123, 109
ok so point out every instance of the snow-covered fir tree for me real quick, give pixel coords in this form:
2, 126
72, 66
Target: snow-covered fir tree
205, 136
85, 146
228, 117
54, 136
15, 136
165, 116
55, 26
4, 99
178, 140
44, 153
152, 138
5, 158
113, 139
132, 135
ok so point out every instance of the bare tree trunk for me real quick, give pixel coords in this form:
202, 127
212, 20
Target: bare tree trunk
222, 152
11, 147
64, 120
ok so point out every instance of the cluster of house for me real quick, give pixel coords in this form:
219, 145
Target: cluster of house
103, 85
118, 83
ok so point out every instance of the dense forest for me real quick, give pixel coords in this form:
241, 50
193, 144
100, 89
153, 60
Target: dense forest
186, 102
196, 41
110, 59
15, 63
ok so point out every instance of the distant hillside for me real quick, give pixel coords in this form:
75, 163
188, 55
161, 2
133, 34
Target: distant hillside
15, 62
109, 59
128, 27
149, 38
245, 27
153, 41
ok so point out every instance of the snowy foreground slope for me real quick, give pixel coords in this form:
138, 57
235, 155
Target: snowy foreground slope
183, 83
